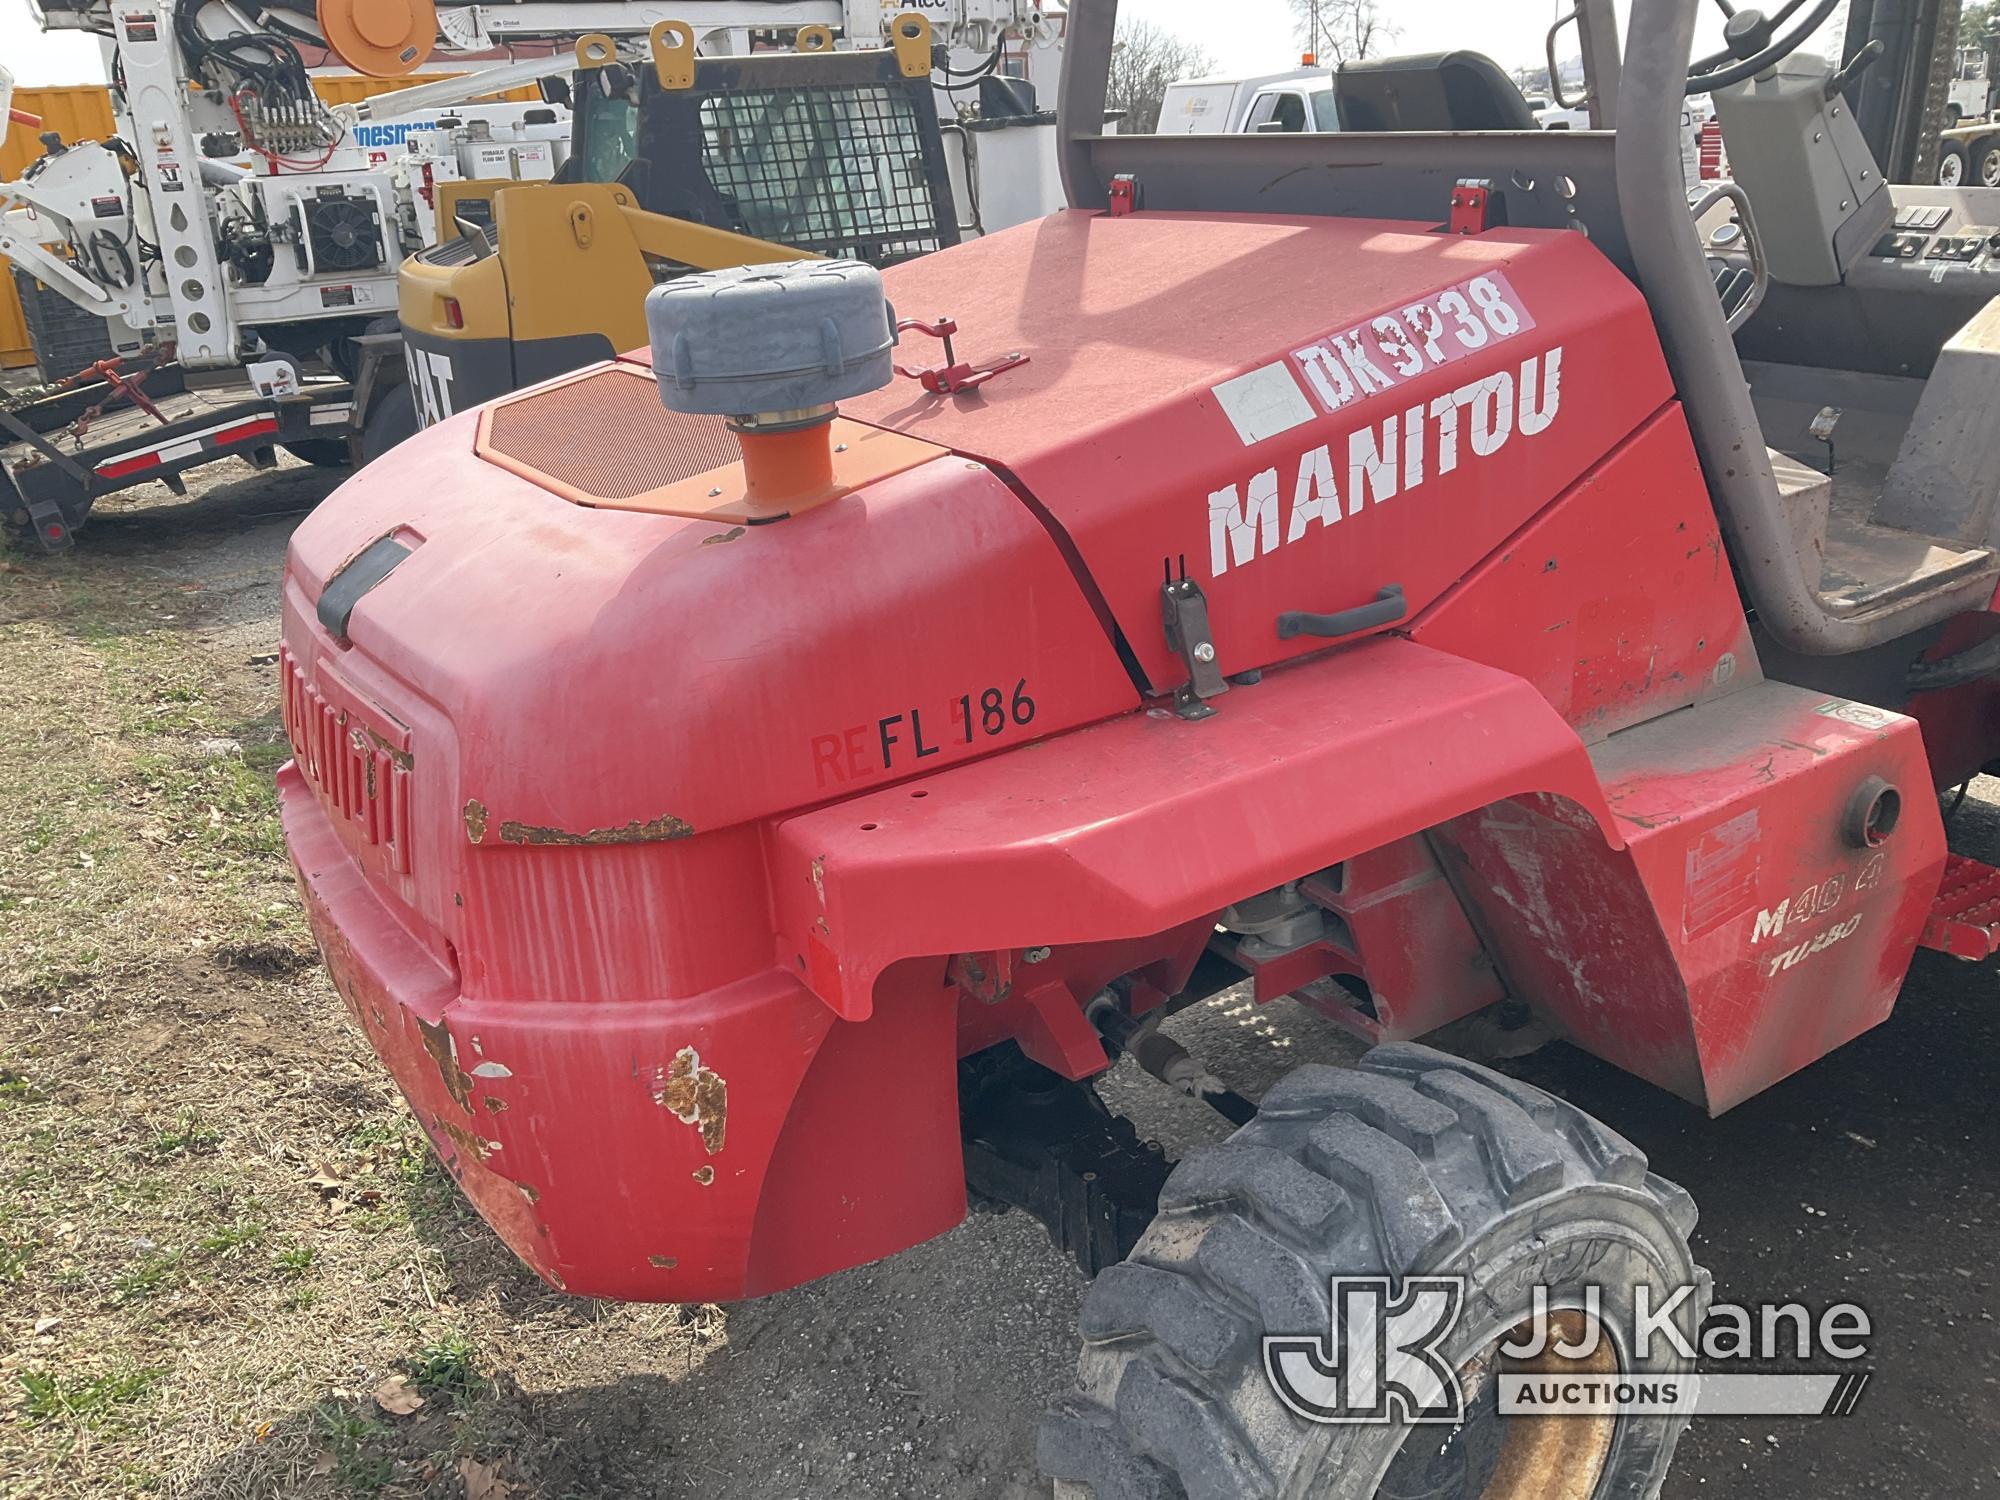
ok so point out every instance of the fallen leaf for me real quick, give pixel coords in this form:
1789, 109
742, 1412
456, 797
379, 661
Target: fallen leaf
46, 1325
323, 1464
396, 1398
325, 1183
483, 1481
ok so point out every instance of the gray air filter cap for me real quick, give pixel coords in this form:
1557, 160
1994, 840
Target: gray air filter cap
798, 334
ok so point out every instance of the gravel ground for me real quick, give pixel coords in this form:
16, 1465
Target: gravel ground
1874, 1176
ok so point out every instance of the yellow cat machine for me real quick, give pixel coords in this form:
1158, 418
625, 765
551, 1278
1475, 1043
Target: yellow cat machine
684, 163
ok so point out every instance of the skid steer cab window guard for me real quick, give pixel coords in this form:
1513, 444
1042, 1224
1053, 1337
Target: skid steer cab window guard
823, 166
832, 152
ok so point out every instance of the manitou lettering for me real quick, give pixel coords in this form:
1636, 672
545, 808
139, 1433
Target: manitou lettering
1383, 460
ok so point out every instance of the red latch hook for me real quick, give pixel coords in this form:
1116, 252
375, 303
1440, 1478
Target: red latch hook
954, 375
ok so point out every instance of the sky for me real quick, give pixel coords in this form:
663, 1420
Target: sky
32, 57
1259, 36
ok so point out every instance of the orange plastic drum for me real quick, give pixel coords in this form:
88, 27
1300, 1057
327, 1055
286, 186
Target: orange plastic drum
380, 38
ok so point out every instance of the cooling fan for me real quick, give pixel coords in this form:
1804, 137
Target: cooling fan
339, 234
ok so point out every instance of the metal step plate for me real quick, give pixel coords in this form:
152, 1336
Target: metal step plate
1965, 921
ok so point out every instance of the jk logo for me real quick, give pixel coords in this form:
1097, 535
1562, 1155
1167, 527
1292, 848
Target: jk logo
1378, 1361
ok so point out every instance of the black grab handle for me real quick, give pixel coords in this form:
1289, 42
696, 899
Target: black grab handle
1388, 606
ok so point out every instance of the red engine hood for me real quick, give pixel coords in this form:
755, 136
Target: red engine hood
1297, 412
604, 676
1170, 408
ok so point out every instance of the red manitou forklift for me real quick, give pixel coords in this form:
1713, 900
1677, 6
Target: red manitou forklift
745, 794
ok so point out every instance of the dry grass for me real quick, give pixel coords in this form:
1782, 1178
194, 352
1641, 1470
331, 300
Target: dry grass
219, 1229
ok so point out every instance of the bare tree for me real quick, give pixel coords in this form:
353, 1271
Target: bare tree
1341, 31
1144, 61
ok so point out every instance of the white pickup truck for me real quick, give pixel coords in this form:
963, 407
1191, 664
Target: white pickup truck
1299, 99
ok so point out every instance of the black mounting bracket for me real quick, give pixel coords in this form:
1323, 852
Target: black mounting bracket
1184, 609
1038, 1142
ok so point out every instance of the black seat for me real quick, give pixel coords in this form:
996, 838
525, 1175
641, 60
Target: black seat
1433, 91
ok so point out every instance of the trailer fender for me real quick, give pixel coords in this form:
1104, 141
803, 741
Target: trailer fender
1141, 823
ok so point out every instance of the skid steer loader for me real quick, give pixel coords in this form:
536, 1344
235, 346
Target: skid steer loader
746, 792
688, 164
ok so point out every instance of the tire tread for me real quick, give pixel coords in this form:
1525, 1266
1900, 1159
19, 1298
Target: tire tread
1341, 1170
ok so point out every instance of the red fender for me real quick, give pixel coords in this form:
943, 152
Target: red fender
1148, 821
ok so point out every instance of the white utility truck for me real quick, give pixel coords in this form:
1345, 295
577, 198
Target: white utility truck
240, 239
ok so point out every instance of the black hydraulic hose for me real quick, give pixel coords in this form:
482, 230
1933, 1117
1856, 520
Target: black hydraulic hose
968, 80
977, 70
1165, 1058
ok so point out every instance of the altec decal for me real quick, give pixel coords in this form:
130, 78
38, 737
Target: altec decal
1383, 459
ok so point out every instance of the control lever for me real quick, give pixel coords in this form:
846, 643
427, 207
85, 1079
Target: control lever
1858, 64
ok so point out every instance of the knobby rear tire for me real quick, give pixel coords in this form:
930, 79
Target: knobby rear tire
1414, 1162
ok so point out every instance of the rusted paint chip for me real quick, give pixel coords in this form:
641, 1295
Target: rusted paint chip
529, 1191
725, 536
704, 1175
493, 1105
466, 1140
444, 1052
696, 1095
664, 1262
398, 756
475, 820
649, 831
